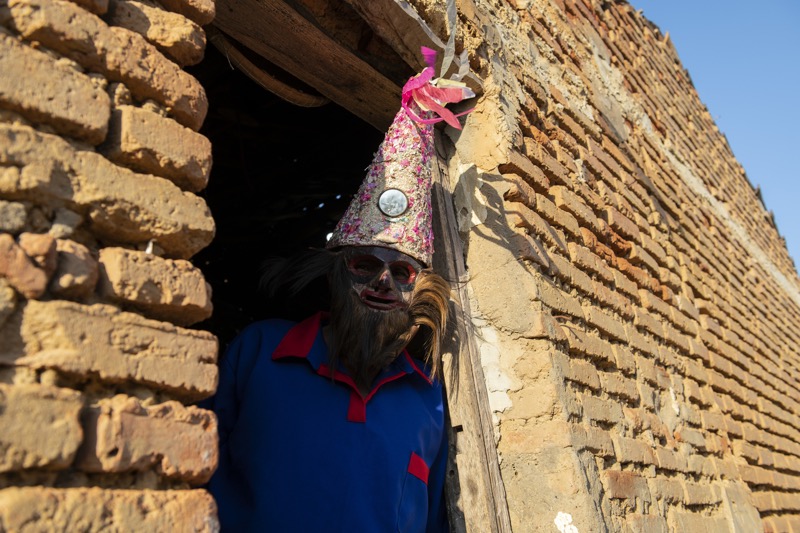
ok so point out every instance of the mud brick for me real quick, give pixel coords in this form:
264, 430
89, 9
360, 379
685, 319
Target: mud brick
594, 439
616, 384
586, 260
561, 268
645, 523
519, 191
682, 521
624, 284
603, 252
43, 90
692, 391
605, 322
41, 427
609, 146
584, 373
147, 142
114, 346
690, 436
671, 460
647, 370
599, 409
730, 337
527, 248
174, 35
558, 217
521, 216
95, 510
117, 53
592, 199
145, 207
668, 490
77, 272
689, 414
20, 270
554, 298
580, 342
676, 338
638, 275
625, 485
641, 258
701, 466
166, 289
700, 494
624, 359
652, 302
713, 421
622, 224
645, 320
619, 245
685, 324
572, 203
640, 342
633, 451
698, 349
581, 281
764, 501
733, 428
616, 300
40, 247
555, 171
522, 166
124, 435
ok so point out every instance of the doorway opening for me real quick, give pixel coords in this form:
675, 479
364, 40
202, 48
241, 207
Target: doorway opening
282, 177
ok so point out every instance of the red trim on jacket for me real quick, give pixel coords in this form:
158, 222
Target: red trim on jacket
418, 468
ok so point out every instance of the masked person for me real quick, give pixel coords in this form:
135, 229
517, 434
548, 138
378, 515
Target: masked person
330, 424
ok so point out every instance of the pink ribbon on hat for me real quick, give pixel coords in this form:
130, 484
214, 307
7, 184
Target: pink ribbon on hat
429, 97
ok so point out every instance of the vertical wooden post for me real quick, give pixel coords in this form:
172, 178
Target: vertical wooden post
476, 497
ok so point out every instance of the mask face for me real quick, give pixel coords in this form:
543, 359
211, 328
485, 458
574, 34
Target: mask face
383, 278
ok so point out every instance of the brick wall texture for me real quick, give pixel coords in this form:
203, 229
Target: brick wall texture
100, 161
639, 315
637, 310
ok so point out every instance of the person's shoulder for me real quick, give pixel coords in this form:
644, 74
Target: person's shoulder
270, 328
257, 338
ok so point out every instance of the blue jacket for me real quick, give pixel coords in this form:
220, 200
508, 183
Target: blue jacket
302, 450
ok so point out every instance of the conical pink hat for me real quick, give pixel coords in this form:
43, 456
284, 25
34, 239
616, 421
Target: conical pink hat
393, 205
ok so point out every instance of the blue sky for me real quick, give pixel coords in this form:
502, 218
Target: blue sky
744, 60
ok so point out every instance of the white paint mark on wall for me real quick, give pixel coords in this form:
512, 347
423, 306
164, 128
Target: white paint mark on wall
564, 524
675, 406
497, 382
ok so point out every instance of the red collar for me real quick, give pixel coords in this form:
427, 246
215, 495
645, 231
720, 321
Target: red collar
300, 339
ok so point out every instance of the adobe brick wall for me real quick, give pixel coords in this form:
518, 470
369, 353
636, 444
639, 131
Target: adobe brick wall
637, 310
100, 161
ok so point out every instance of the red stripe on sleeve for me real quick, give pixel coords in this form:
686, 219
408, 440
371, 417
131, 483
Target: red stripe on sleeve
418, 468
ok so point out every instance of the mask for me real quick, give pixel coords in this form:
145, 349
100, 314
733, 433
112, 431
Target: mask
383, 278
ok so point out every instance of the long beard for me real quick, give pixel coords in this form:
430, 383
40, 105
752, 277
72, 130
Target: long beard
364, 339
367, 340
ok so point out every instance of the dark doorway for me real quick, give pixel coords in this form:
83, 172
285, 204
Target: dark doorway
282, 177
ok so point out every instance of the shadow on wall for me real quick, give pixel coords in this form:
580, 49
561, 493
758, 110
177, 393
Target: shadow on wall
282, 177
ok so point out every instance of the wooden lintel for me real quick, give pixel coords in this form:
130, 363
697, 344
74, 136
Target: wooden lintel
406, 32
274, 30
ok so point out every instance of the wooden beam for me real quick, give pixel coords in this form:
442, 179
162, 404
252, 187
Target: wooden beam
281, 35
401, 27
475, 492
